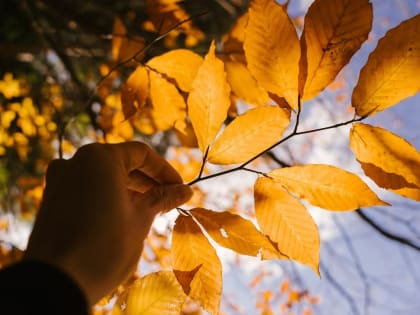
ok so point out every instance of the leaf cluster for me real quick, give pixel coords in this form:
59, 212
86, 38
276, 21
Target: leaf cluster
264, 63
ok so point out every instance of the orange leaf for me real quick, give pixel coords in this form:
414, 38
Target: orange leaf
388, 159
157, 293
123, 47
331, 36
118, 34
168, 105
135, 91
249, 134
391, 72
286, 221
209, 99
244, 85
326, 186
185, 277
272, 49
178, 64
234, 232
190, 249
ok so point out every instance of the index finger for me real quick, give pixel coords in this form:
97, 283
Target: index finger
139, 156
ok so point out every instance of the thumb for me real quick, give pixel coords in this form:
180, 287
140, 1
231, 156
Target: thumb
162, 198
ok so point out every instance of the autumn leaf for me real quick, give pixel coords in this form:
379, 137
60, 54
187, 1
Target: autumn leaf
391, 72
186, 277
234, 232
326, 186
179, 64
122, 46
233, 43
249, 134
168, 105
135, 91
209, 99
118, 33
388, 159
272, 49
190, 249
243, 84
157, 293
331, 36
287, 222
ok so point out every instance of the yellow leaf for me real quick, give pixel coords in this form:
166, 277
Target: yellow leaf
391, 72
122, 46
249, 134
185, 278
326, 186
157, 293
168, 105
143, 121
334, 31
185, 134
234, 232
233, 44
272, 49
118, 34
209, 99
244, 85
238, 30
396, 163
391, 182
134, 91
178, 64
286, 221
385, 179
190, 249
412, 193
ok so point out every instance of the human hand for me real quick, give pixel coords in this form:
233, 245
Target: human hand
97, 210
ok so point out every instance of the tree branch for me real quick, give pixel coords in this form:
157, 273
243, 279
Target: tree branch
385, 233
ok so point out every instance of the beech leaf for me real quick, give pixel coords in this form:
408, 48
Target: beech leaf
386, 158
158, 293
209, 99
134, 91
286, 222
179, 64
330, 37
234, 232
391, 72
272, 49
249, 134
243, 84
191, 249
168, 105
326, 186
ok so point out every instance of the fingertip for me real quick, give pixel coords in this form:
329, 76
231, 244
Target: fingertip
163, 198
185, 192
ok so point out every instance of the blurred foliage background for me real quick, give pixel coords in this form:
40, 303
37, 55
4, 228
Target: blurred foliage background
61, 67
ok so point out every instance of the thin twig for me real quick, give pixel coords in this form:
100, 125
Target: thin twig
385, 233
140, 51
358, 265
203, 163
184, 212
255, 171
295, 132
338, 287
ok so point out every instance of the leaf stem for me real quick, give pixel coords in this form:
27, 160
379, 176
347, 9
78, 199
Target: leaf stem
295, 132
204, 162
254, 171
184, 212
